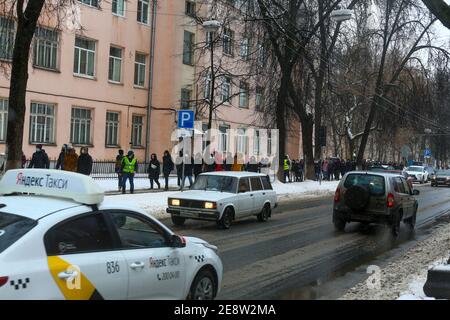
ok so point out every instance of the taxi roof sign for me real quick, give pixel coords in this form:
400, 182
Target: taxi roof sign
53, 183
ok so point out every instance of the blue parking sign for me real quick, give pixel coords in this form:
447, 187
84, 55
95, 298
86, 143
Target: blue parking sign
427, 153
186, 119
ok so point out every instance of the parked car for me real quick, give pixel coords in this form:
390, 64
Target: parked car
374, 197
224, 197
441, 178
417, 173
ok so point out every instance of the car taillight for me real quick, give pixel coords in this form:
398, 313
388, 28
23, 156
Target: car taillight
3, 281
337, 195
390, 200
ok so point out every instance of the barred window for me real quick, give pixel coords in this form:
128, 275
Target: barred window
46, 48
7, 36
136, 131
80, 126
112, 128
42, 123
3, 118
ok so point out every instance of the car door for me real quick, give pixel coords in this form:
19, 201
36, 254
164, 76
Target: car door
83, 259
411, 200
245, 198
258, 194
156, 270
402, 196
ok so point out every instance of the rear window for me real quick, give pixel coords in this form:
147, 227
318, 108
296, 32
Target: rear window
12, 228
374, 183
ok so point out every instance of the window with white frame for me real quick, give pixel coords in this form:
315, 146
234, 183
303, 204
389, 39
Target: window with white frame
259, 98
115, 64
210, 38
84, 60
227, 41
42, 123
269, 142
46, 48
7, 36
143, 11
3, 118
140, 69
256, 143
136, 130
242, 141
223, 138
80, 126
118, 7
208, 81
186, 98
245, 48
243, 95
226, 89
112, 128
188, 48
205, 136
92, 3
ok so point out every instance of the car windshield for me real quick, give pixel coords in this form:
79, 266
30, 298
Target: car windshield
443, 172
414, 169
215, 183
12, 228
374, 183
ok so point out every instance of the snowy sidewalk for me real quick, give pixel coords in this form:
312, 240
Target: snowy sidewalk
155, 203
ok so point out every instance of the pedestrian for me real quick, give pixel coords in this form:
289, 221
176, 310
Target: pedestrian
129, 168
228, 162
84, 163
294, 168
70, 160
325, 169
118, 168
24, 160
342, 167
154, 170
252, 165
236, 166
60, 161
337, 169
168, 166
179, 167
330, 169
198, 164
301, 167
286, 166
39, 160
218, 162
188, 163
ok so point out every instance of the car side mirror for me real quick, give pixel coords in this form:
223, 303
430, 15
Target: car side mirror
178, 241
416, 192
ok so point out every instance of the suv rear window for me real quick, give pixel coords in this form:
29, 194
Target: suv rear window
374, 183
12, 228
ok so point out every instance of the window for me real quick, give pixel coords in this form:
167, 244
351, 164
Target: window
188, 48
80, 128
118, 7
115, 64
190, 8
256, 184
243, 95
112, 128
258, 98
7, 36
256, 142
135, 233
3, 118
12, 228
215, 183
92, 3
227, 41
136, 131
83, 234
374, 183
84, 60
208, 81
406, 186
223, 138
242, 141
266, 183
139, 69
142, 11
226, 89
269, 142
205, 136
261, 58
245, 49
210, 38
398, 185
45, 48
244, 185
42, 123
186, 97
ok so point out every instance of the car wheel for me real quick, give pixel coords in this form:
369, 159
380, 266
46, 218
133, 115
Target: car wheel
264, 215
203, 287
227, 218
411, 222
178, 221
339, 223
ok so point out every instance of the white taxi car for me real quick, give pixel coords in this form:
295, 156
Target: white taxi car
224, 196
59, 239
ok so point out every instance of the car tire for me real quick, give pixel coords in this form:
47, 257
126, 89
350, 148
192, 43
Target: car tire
411, 222
226, 220
178, 221
203, 287
264, 215
339, 223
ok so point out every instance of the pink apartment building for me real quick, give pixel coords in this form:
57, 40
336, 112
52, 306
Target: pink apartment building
90, 86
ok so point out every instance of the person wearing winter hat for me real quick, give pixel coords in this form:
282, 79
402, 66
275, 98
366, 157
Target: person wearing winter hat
129, 168
39, 160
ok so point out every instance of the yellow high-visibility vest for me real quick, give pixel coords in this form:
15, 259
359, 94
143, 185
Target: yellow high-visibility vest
129, 166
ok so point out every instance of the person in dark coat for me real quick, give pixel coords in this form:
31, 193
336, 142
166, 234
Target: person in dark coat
60, 162
39, 160
154, 170
188, 170
84, 164
129, 169
337, 169
118, 168
168, 166
24, 160
198, 164
252, 165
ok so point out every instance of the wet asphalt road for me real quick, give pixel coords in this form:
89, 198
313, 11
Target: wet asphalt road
298, 248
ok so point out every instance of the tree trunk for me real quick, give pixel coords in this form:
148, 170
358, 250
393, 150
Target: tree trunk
281, 122
307, 133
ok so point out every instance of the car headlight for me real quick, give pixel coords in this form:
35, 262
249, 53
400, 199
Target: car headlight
210, 205
175, 202
210, 246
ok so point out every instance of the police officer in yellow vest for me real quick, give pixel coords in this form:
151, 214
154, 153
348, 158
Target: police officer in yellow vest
286, 167
129, 168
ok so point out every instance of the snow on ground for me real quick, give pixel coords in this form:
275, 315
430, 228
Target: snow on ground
404, 277
155, 203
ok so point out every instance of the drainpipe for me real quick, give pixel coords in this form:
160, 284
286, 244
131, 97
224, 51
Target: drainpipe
150, 80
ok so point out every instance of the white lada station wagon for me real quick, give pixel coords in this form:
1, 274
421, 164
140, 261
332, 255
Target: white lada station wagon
59, 239
223, 197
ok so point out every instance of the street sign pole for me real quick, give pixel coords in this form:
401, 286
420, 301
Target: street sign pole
185, 121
